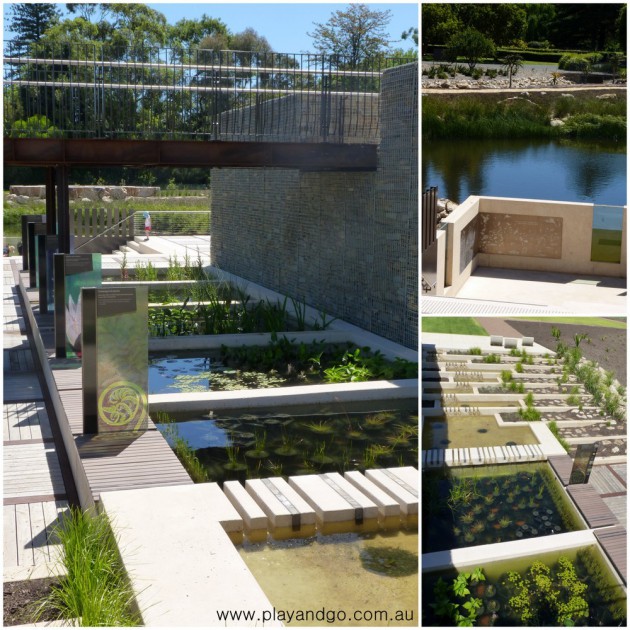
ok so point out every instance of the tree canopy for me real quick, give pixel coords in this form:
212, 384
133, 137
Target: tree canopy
357, 34
591, 26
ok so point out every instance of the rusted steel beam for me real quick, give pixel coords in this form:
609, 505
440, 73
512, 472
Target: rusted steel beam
95, 152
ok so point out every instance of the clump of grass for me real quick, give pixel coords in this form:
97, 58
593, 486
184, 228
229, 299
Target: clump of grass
96, 589
183, 450
553, 427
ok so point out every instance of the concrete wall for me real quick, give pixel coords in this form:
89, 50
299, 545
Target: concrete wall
523, 234
344, 242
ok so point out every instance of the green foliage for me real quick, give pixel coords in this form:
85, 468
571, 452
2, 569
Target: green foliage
553, 427
530, 413
184, 452
471, 45
518, 368
95, 589
476, 351
453, 603
545, 595
492, 358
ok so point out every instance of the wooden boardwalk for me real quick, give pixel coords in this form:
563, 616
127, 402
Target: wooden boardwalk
115, 461
561, 465
614, 541
34, 494
592, 507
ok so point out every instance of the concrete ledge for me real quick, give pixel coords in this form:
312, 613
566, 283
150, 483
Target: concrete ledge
387, 506
300, 395
254, 518
483, 554
400, 483
182, 565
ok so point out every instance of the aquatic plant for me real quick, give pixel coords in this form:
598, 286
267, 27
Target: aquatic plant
462, 492
319, 456
454, 603
468, 517
258, 452
389, 561
321, 428
505, 521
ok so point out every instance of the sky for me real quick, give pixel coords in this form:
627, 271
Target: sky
285, 25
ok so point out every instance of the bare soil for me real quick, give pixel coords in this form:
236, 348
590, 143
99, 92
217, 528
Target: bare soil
606, 346
20, 601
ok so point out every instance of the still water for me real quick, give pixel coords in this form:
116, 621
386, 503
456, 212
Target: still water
525, 169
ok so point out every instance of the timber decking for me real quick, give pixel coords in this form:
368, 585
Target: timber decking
25, 421
614, 542
592, 507
562, 466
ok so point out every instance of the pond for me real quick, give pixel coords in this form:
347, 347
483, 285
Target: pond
510, 168
492, 504
280, 364
472, 431
339, 576
590, 594
332, 438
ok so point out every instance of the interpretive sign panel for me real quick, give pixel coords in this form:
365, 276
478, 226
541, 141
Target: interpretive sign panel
583, 463
115, 359
72, 273
26, 219
47, 245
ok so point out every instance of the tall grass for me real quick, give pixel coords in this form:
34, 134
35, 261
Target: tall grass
96, 590
484, 117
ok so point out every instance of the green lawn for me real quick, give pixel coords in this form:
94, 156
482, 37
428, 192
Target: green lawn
582, 321
452, 326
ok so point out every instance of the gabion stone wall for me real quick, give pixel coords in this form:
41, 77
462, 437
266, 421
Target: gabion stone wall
345, 243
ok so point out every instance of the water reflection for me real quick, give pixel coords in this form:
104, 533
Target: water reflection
527, 169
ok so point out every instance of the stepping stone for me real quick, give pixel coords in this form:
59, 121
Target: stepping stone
496, 340
510, 342
400, 483
254, 518
289, 515
388, 507
527, 341
339, 505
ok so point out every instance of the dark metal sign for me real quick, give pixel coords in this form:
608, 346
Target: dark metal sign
583, 463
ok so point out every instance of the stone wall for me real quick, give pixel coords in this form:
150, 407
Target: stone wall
344, 242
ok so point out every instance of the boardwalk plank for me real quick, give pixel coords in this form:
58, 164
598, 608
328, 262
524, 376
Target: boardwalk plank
562, 466
24, 537
614, 543
592, 507
9, 540
38, 530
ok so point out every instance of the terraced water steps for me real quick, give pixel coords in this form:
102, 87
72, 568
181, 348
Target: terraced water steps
478, 456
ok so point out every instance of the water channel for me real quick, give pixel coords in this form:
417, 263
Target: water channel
530, 169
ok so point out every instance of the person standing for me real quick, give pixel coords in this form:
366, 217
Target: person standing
147, 224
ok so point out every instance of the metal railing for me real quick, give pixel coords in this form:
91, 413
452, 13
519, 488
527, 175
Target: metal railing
91, 91
107, 229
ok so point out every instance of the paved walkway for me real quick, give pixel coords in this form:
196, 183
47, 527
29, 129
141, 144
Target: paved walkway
34, 489
498, 326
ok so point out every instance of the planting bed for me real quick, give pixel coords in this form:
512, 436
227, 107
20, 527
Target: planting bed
578, 589
492, 504
236, 445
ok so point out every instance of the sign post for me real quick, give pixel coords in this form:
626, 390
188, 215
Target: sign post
583, 463
115, 359
72, 273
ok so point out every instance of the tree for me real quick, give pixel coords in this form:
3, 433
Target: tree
439, 23
356, 35
472, 45
512, 63
30, 22
502, 23
411, 33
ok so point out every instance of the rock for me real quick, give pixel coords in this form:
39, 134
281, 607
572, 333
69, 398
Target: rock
445, 84
568, 95
463, 86
86, 199
606, 96
22, 199
106, 199
556, 122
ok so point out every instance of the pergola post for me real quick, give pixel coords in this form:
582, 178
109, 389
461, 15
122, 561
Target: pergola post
64, 223
51, 201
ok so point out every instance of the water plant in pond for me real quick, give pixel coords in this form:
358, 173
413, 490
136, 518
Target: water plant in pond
454, 603
389, 561
505, 521
322, 427
258, 452
319, 456
377, 420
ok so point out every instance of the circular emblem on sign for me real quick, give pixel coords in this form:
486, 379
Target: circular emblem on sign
122, 403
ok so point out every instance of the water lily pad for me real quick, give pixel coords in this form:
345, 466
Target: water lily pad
389, 561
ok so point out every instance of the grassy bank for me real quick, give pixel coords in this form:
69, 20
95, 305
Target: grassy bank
501, 115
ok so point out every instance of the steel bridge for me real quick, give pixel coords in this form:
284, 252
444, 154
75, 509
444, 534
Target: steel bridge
75, 105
